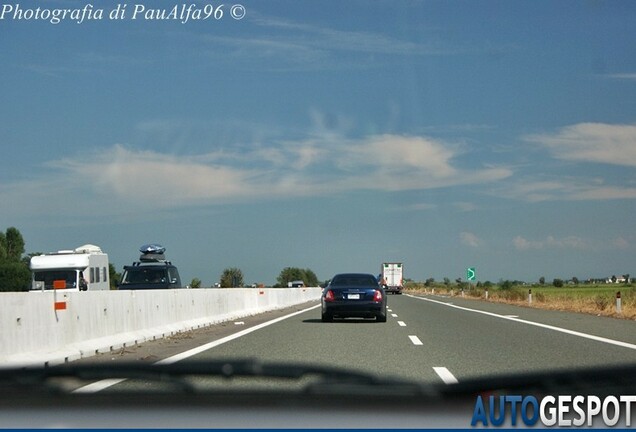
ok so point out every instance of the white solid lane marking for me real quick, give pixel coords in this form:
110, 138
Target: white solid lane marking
415, 340
103, 384
401, 323
200, 349
98, 385
536, 324
445, 375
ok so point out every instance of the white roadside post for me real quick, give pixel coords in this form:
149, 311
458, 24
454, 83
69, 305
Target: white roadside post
618, 302
530, 296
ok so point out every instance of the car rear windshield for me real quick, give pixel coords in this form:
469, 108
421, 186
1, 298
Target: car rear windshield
355, 280
145, 275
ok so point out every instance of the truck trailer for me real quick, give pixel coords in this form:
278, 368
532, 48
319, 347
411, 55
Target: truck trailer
391, 277
82, 269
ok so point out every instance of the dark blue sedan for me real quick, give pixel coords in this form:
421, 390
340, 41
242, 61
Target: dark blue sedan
356, 295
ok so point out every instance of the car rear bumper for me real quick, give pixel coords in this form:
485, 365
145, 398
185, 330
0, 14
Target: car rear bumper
394, 290
357, 309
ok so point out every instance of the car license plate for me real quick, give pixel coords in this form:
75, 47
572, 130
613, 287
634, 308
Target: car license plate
353, 296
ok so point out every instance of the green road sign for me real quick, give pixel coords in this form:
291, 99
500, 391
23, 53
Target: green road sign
471, 274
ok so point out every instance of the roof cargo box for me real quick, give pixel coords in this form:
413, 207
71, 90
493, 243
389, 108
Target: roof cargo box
152, 257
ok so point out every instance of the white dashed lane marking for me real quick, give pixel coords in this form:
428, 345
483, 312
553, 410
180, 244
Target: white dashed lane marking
415, 340
445, 375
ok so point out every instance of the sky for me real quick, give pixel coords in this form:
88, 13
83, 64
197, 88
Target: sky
329, 135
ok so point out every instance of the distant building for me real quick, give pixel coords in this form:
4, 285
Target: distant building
618, 279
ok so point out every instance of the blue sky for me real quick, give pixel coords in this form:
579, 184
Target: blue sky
331, 135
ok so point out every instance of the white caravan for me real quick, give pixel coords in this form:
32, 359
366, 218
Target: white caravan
82, 269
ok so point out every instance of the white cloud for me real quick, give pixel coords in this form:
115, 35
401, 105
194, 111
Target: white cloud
521, 243
569, 242
465, 206
422, 207
306, 155
621, 243
550, 242
325, 38
469, 239
391, 152
625, 76
153, 178
564, 188
395, 162
290, 45
132, 179
604, 193
592, 142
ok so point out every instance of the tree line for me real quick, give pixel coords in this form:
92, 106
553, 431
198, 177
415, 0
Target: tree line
232, 277
15, 274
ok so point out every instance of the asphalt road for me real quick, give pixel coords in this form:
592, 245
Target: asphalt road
426, 339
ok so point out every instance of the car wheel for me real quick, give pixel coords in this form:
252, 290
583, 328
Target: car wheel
327, 317
380, 318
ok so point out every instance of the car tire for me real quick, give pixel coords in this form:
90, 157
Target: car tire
381, 318
327, 317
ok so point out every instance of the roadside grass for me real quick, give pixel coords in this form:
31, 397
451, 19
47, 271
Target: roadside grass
591, 299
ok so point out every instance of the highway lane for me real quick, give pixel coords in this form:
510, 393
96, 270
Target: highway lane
475, 338
433, 339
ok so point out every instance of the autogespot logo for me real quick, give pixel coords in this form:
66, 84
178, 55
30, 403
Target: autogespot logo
561, 410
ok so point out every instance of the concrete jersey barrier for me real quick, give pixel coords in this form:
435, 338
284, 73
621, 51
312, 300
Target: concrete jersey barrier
47, 327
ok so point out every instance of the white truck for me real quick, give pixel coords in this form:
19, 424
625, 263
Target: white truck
82, 269
391, 277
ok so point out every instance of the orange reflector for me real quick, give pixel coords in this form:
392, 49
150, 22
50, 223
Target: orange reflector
59, 284
59, 305
261, 292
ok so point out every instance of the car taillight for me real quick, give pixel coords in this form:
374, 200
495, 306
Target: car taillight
329, 297
377, 296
